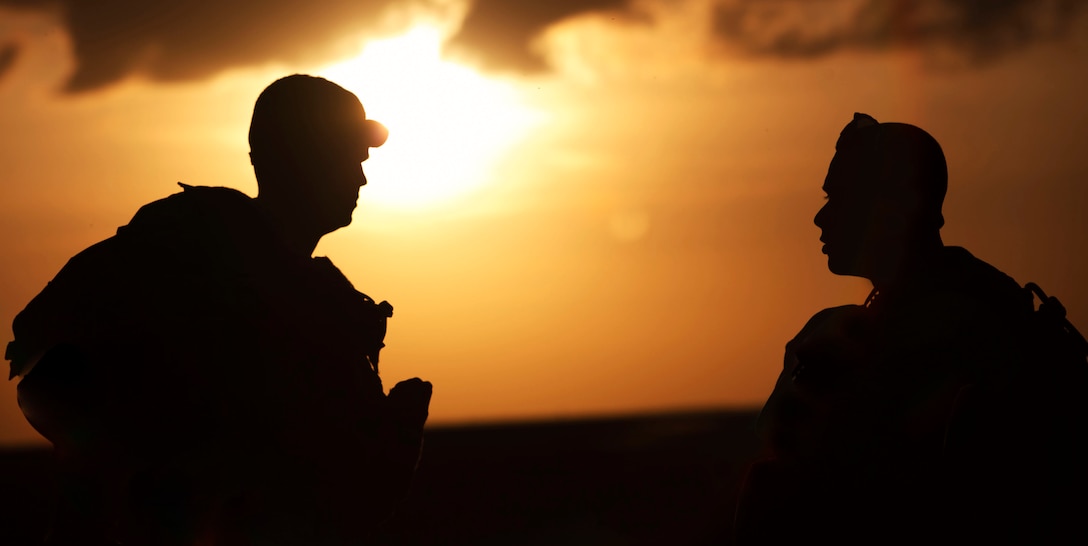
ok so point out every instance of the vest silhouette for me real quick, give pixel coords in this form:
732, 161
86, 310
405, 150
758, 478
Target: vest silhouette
203, 379
929, 414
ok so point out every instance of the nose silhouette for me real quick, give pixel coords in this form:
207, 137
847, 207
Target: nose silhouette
821, 216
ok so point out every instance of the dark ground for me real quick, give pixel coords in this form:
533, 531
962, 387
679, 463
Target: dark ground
648, 480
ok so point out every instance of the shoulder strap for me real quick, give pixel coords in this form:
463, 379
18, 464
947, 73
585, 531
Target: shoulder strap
1052, 312
871, 297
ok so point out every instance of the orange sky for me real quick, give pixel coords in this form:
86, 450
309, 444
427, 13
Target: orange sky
645, 244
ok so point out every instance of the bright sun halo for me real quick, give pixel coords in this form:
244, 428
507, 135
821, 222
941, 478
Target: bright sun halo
447, 123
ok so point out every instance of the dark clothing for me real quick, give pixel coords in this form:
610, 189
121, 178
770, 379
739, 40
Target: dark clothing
197, 377
921, 417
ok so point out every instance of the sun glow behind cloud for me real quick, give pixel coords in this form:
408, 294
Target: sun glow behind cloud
448, 124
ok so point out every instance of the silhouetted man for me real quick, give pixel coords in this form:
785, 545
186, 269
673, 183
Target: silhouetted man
203, 379
923, 415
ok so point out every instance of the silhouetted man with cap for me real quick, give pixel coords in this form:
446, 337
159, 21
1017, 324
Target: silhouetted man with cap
921, 416
204, 379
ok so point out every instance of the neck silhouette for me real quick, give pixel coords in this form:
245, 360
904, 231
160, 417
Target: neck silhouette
296, 230
890, 270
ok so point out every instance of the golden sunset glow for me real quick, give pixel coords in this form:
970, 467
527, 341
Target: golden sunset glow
580, 210
447, 123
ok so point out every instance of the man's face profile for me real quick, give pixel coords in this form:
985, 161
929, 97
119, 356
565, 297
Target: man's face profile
330, 170
332, 185
851, 229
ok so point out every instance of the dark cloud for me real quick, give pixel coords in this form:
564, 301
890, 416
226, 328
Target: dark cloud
187, 39
499, 33
973, 30
173, 40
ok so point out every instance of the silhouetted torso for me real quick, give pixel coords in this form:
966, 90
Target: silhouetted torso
910, 350
220, 377
922, 416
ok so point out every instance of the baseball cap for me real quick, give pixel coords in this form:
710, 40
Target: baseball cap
307, 115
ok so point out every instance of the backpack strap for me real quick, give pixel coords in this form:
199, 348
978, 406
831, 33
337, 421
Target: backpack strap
1053, 312
871, 297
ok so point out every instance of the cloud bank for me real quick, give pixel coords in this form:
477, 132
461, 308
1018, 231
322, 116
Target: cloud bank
976, 31
174, 40
499, 33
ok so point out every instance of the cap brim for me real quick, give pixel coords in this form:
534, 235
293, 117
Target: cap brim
374, 134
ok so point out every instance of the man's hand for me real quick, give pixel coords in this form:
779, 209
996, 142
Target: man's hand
408, 403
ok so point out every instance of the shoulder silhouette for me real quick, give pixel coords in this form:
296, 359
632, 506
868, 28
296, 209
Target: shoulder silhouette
204, 379
928, 413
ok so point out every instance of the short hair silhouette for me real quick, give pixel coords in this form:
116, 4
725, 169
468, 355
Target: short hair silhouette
897, 160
